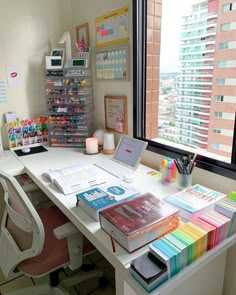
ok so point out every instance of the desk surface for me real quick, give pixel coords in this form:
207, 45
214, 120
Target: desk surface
56, 158
11, 164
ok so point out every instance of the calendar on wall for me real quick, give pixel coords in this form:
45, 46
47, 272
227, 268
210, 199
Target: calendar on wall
112, 63
112, 28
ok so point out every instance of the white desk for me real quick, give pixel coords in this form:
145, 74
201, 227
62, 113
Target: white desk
11, 164
56, 158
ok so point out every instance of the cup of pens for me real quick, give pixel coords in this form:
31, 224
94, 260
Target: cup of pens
185, 167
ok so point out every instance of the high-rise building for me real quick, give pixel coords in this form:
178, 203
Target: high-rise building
205, 109
195, 80
223, 97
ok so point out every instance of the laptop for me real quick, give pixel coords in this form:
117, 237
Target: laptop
125, 159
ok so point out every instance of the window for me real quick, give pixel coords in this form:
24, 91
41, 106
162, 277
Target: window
222, 64
217, 130
225, 27
215, 145
227, 7
224, 45
218, 114
220, 81
174, 105
219, 98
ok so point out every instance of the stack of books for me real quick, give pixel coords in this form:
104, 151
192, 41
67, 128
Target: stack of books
136, 222
195, 200
99, 198
227, 207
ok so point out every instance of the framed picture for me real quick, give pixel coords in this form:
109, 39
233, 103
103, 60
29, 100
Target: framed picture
82, 33
116, 113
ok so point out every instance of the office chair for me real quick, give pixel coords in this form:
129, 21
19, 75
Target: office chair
41, 242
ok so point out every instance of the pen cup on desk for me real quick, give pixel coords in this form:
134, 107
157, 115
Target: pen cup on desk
184, 181
185, 167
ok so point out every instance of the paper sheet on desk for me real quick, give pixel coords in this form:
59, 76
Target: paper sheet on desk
75, 178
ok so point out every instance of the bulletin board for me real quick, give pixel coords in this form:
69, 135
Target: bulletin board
112, 28
112, 63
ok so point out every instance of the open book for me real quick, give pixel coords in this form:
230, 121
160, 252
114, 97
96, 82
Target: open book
74, 178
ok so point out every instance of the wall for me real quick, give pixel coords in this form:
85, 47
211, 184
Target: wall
28, 30
88, 14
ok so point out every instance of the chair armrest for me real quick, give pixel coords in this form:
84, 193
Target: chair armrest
65, 230
74, 241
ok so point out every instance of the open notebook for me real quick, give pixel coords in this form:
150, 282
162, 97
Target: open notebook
126, 158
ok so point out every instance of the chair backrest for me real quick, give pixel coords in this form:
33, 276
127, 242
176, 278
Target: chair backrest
22, 232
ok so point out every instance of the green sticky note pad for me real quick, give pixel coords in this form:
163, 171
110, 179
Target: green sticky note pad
232, 196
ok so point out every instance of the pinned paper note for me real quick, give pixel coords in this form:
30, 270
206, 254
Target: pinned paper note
3, 91
13, 76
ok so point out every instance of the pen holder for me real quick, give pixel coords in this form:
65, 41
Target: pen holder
184, 181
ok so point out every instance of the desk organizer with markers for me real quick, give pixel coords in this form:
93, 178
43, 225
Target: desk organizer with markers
26, 132
70, 106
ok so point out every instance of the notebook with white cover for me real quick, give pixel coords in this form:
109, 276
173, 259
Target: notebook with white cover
126, 157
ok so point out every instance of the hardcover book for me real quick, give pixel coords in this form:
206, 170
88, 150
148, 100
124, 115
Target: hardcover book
195, 200
136, 222
96, 199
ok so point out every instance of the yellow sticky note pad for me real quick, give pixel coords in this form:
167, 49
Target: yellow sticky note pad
154, 173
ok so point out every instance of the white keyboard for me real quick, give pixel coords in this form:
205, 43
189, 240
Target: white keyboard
114, 168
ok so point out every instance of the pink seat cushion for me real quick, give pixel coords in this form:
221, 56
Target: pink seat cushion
55, 252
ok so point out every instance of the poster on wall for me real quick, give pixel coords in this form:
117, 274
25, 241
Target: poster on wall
116, 114
112, 63
112, 28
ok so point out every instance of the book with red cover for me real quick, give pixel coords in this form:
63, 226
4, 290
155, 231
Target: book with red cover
136, 222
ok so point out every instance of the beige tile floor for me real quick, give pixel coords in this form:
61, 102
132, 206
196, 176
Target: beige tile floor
88, 287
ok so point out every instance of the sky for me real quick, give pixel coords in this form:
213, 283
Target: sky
171, 19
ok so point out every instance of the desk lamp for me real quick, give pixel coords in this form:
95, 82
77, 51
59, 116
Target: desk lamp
65, 38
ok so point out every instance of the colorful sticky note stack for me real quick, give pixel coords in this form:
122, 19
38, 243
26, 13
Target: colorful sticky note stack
211, 231
181, 247
199, 240
168, 254
227, 207
188, 241
221, 224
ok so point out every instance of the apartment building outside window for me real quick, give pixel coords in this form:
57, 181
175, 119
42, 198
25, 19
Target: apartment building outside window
188, 90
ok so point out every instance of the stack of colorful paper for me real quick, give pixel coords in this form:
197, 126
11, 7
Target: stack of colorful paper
181, 247
168, 254
199, 238
210, 230
188, 241
221, 224
227, 207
